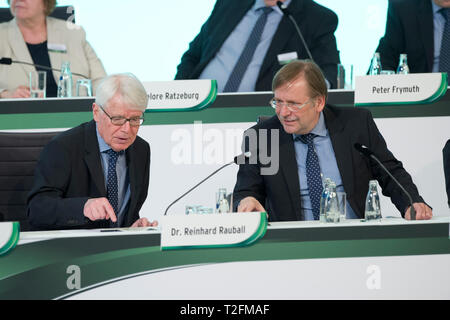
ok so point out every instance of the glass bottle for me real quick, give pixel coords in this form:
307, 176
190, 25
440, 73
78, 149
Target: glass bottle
222, 205
373, 210
323, 199
65, 81
332, 206
375, 66
403, 64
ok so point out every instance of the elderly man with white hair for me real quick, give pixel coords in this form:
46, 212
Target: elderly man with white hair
96, 175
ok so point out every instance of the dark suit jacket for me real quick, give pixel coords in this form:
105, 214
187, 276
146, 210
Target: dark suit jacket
69, 172
446, 158
280, 193
317, 24
409, 29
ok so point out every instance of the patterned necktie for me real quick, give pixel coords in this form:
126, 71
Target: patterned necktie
313, 174
236, 75
112, 189
444, 57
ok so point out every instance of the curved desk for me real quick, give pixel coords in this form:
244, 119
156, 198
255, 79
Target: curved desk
391, 259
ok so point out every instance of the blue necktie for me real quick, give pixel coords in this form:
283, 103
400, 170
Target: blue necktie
236, 75
444, 57
112, 189
313, 174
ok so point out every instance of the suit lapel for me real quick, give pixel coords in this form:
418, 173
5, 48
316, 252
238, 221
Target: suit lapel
19, 47
425, 23
283, 34
289, 170
132, 163
343, 148
223, 30
92, 157
54, 36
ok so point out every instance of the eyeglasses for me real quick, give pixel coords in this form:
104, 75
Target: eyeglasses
274, 103
120, 121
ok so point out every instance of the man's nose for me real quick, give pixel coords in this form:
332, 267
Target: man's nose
284, 110
126, 126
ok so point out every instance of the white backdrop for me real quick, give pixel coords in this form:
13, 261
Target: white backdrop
148, 38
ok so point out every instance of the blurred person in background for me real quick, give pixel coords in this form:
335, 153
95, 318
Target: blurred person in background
34, 37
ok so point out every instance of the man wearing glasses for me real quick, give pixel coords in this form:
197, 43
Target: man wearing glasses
316, 141
96, 175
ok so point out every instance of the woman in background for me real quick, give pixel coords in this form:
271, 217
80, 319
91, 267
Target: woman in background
34, 37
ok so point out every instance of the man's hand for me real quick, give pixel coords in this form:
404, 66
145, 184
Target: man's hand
143, 222
19, 92
99, 209
423, 212
250, 204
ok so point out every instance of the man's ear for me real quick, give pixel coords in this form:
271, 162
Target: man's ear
320, 103
95, 112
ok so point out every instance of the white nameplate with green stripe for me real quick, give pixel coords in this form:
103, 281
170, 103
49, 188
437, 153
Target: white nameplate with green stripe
180, 95
9, 236
212, 230
415, 88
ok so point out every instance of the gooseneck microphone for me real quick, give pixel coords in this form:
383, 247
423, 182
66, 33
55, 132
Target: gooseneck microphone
9, 61
237, 160
369, 154
288, 14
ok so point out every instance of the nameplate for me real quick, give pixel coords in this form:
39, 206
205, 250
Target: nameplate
9, 236
55, 47
212, 230
180, 95
415, 88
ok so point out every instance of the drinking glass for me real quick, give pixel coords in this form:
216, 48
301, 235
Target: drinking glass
38, 84
84, 88
342, 205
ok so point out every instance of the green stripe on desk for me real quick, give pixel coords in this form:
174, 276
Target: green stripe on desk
72, 119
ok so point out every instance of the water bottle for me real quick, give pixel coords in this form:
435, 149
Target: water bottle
403, 64
332, 213
222, 205
373, 210
375, 67
65, 81
323, 199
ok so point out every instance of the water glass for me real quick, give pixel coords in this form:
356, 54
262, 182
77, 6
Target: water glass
387, 72
345, 77
38, 84
342, 205
191, 210
198, 210
222, 205
84, 88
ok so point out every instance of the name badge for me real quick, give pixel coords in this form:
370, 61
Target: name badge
285, 58
54, 47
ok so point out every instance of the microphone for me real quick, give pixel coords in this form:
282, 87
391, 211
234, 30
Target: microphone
369, 154
237, 160
9, 61
288, 14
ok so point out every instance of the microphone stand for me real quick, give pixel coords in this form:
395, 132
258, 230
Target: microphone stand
412, 210
286, 12
184, 194
42, 67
